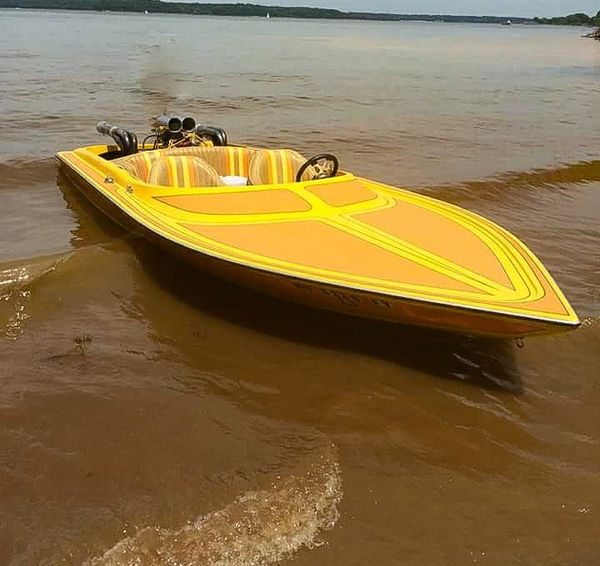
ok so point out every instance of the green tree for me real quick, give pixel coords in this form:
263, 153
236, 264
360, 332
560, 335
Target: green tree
578, 19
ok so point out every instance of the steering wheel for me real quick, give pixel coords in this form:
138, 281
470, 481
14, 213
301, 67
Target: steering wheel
324, 164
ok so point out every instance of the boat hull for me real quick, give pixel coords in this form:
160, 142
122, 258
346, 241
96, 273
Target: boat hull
342, 298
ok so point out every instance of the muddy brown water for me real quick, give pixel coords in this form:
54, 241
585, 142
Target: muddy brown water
150, 415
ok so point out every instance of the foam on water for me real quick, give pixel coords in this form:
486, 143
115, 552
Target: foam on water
259, 528
15, 279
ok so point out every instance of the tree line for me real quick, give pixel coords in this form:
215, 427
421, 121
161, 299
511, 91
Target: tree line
578, 19
259, 10
239, 9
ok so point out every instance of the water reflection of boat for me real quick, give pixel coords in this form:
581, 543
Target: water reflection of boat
302, 230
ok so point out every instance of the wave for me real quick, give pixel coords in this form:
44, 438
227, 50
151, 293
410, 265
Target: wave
569, 173
15, 275
579, 173
26, 172
259, 528
15, 278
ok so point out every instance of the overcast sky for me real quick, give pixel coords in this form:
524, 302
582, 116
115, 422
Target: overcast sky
462, 7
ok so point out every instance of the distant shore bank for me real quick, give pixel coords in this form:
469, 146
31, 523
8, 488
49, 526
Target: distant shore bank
255, 10
259, 10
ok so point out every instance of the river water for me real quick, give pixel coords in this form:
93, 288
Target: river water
150, 415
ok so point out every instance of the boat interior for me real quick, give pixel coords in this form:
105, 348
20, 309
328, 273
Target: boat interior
215, 166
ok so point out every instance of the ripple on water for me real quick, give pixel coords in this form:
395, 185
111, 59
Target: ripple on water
26, 172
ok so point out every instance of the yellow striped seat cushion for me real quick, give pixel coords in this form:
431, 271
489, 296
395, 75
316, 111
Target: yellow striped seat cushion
274, 166
138, 164
261, 166
183, 171
227, 160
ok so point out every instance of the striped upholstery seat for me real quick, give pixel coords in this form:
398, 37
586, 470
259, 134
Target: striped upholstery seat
183, 171
227, 160
274, 166
138, 164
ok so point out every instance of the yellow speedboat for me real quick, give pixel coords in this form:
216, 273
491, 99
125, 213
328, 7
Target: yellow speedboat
302, 230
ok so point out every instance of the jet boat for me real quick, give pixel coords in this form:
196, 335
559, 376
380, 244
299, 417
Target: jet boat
304, 230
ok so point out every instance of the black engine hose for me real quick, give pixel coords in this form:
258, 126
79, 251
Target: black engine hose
127, 141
